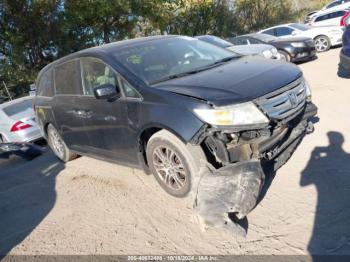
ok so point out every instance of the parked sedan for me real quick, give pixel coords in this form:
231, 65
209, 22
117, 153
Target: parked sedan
261, 49
325, 37
293, 49
345, 53
17, 121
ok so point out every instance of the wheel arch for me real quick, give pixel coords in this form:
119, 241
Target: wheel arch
143, 137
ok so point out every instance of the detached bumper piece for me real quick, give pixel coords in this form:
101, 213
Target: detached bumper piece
233, 189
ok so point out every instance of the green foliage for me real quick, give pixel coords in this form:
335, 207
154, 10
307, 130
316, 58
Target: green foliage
257, 14
36, 32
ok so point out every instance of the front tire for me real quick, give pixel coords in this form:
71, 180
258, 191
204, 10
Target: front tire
322, 43
174, 165
58, 146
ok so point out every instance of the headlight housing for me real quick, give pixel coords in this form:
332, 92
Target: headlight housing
298, 44
244, 114
267, 54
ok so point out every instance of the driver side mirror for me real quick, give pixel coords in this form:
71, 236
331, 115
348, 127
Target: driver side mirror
107, 92
294, 33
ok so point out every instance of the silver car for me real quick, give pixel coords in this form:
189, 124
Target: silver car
17, 121
263, 50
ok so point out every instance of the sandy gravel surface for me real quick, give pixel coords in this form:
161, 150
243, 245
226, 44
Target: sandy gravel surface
93, 207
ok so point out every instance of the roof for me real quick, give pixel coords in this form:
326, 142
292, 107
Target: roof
108, 47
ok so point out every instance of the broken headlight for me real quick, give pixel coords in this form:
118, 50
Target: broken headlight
244, 114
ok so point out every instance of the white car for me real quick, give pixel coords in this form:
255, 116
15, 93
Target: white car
328, 17
17, 121
332, 6
325, 37
336, 4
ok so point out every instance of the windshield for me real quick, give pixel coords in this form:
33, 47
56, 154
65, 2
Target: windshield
153, 61
215, 41
301, 27
19, 107
264, 37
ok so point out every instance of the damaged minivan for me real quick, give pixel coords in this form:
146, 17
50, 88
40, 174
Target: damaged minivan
174, 106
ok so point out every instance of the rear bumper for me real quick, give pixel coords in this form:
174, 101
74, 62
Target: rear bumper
24, 136
345, 60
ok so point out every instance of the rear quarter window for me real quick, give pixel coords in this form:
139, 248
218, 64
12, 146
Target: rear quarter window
17, 108
45, 84
68, 79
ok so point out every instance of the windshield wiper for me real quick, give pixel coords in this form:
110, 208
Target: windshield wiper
175, 76
224, 60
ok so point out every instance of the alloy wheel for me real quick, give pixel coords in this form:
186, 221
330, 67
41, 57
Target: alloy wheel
56, 143
322, 44
169, 168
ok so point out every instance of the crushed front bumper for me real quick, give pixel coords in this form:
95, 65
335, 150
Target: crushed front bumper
236, 185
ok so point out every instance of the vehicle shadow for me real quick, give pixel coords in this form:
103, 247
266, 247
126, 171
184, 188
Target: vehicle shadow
343, 72
27, 194
329, 171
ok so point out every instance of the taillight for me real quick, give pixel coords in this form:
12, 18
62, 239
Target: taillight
19, 126
344, 20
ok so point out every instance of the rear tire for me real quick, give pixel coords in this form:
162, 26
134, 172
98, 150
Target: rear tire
58, 146
174, 165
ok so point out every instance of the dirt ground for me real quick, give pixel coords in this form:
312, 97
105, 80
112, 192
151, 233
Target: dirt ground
93, 207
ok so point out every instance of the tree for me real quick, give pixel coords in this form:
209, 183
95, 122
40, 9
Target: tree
257, 14
27, 40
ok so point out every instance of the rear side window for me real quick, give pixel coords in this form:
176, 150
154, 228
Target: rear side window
45, 84
283, 31
253, 41
240, 41
269, 32
330, 16
67, 78
17, 108
335, 3
321, 18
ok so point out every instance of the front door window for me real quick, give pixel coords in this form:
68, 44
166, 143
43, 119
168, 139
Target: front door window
96, 73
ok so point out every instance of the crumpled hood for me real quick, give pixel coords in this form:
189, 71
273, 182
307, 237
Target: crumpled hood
238, 81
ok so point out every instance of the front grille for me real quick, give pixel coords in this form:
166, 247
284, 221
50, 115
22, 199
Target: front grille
285, 102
